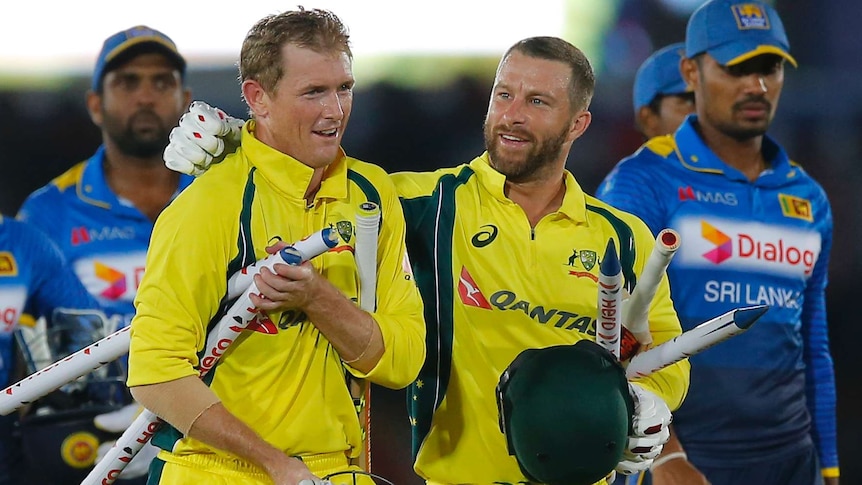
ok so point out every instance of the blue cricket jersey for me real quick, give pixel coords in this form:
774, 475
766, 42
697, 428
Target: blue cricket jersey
769, 392
104, 238
34, 279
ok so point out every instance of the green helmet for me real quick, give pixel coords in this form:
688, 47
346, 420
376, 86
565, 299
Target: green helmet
566, 413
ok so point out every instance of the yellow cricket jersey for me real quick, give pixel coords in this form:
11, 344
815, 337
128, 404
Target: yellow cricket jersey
281, 377
493, 286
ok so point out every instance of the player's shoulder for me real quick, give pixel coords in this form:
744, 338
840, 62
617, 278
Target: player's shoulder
61, 186
411, 185
649, 156
23, 233
618, 219
362, 172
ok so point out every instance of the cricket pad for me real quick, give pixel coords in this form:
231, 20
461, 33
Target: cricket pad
566, 413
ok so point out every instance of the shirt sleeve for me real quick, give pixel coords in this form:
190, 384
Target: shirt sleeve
819, 373
181, 289
57, 294
399, 310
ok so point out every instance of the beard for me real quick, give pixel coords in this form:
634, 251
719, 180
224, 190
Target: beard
517, 169
742, 131
144, 135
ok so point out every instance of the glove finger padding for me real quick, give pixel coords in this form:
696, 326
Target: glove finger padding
205, 135
184, 156
651, 413
650, 431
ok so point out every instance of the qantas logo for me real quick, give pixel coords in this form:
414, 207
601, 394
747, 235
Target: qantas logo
84, 235
262, 324
471, 295
725, 198
469, 291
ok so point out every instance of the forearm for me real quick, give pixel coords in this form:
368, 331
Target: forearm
352, 332
217, 427
191, 407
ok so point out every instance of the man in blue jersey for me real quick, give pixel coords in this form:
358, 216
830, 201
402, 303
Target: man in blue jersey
35, 281
101, 211
756, 229
660, 96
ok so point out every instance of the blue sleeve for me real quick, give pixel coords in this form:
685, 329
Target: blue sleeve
55, 286
819, 373
633, 188
40, 208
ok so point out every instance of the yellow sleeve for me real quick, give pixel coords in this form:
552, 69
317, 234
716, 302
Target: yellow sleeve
184, 282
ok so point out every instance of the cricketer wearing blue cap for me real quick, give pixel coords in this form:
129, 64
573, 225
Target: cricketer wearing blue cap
661, 98
756, 228
101, 211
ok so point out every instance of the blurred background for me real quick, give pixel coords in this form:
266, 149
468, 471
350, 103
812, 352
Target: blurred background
424, 71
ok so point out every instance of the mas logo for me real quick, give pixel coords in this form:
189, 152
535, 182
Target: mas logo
8, 266
79, 449
750, 16
469, 291
796, 207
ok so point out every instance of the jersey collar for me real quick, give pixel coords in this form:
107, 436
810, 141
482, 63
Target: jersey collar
93, 188
290, 177
694, 155
573, 206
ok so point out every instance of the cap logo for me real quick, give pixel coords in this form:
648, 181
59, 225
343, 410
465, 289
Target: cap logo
750, 16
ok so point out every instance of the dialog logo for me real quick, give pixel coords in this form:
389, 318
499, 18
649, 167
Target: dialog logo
723, 244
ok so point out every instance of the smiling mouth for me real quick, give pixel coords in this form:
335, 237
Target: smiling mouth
327, 133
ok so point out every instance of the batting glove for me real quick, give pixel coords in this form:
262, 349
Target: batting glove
650, 431
204, 136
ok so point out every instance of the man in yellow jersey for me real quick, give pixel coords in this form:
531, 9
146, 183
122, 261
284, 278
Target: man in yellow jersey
506, 253
491, 242
276, 408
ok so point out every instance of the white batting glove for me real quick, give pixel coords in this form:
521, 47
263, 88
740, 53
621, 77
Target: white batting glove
650, 431
205, 135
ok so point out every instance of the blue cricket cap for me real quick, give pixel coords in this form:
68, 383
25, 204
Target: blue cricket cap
733, 32
128, 43
659, 76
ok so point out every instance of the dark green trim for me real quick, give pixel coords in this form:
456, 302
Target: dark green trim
430, 228
626, 241
245, 254
365, 186
155, 473
370, 191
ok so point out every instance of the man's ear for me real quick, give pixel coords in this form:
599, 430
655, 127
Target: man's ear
94, 107
256, 98
689, 70
580, 123
646, 121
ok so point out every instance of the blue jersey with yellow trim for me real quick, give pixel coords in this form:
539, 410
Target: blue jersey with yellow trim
104, 238
34, 279
770, 391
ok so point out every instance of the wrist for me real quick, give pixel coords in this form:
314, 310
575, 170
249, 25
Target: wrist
661, 460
